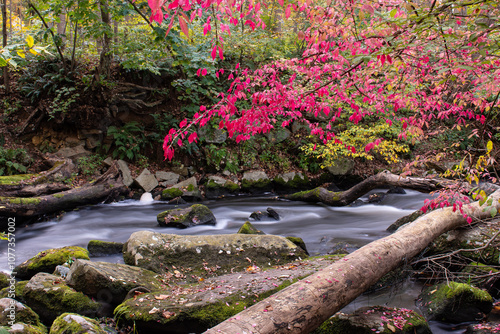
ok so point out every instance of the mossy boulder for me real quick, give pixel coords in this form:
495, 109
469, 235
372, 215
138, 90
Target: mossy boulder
48, 260
187, 189
473, 237
14, 179
454, 302
109, 283
194, 308
12, 310
291, 181
256, 182
376, 319
72, 323
22, 328
4, 280
49, 296
483, 328
227, 252
248, 228
102, 248
217, 187
299, 242
197, 214
18, 290
483, 276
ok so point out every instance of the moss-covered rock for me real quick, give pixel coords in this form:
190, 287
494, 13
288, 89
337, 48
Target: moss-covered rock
291, 181
404, 220
197, 214
483, 328
299, 242
248, 228
187, 189
69, 323
455, 302
4, 280
47, 260
256, 182
473, 237
12, 310
227, 252
109, 283
49, 296
14, 179
102, 248
18, 291
22, 328
217, 187
376, 319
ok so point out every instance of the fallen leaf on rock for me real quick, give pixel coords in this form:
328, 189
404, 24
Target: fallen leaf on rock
162, 297
153, 310
168, 314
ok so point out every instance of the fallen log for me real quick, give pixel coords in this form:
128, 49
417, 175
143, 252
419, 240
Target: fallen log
382, 179
305, 305
25, 209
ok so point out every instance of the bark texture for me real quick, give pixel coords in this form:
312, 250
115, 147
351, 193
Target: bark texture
305, 305
382, 179
26, 208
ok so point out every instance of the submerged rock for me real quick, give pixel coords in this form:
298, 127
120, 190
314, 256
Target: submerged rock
376, 319
197, 214
225, 253
49, 296
48, 260
109, 283
454, 303
74, 323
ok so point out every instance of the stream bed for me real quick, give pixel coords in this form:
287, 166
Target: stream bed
323, 229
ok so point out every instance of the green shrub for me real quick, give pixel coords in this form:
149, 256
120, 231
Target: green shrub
14, 161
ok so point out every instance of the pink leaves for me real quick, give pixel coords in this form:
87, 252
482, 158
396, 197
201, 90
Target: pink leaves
207, 27
288, 11
201, 71
183, 25
193, 137
156, 12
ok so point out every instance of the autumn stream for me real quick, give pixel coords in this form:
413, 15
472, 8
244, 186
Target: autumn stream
322, 228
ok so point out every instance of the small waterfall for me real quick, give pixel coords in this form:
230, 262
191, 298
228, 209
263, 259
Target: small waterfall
146, 198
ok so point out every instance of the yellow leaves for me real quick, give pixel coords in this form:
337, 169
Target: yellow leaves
21, 53
30, 41
489, 147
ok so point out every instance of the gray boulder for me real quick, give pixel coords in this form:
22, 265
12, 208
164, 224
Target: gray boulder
128, 180
49, 296
109, 283
102, 248
278, 135
291, 181
256, 182
158, 252
146, 180
212, 136
73, 153
197, 214
455, 303
217, 187
341, 166
167, 179
75, 323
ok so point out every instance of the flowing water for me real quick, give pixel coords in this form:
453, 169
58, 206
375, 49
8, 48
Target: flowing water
323, 228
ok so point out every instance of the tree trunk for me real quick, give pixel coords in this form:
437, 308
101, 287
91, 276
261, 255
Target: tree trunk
105, 59
26, 209
305, 305
382, 179
6, 79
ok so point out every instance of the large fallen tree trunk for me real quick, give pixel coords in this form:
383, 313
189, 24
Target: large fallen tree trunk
24, 209
305, 305
382, 179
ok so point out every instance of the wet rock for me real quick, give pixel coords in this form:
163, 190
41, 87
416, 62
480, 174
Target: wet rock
291, 181
397, 190
75, 323
156, 251
273, 214
146, 180
177, 201
102, 248
376, 319
299, 242
256, 182
257, 215
270, 213
187, 189
404, 220
12, 310
61, 271
109, 283
248, 228
483, 328
376, 197
454, 303
48, 260
128, 180
197, 214
49, 296
167, 179
217, 187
